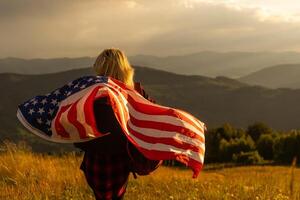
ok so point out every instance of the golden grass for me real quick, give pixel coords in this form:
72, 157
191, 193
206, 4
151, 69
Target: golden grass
24, 175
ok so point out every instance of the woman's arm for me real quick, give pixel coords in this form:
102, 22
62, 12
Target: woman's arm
139, 88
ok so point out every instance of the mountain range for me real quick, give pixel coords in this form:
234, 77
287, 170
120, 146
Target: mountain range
206, 63
279, 76
212, 64
43, 66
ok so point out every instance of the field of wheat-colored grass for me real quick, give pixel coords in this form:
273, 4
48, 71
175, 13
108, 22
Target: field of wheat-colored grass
24, 175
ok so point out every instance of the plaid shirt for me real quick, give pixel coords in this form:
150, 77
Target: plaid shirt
106, 174
106, 162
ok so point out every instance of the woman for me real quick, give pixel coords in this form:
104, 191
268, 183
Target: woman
106, 162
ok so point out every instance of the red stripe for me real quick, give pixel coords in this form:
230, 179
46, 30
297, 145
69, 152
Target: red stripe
88, 109
165, 127
117, 84
58, 127
164, 155
72, 117
118, 106
168, 141
154, 109
196, 122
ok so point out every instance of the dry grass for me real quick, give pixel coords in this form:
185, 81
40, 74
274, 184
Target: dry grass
24, 175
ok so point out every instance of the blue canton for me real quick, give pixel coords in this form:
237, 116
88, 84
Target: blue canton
41, 110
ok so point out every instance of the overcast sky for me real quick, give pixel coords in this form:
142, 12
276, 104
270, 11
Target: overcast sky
73, 28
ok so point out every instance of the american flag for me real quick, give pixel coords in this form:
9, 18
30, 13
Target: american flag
160, 133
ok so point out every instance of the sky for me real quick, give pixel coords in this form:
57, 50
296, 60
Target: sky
75, 28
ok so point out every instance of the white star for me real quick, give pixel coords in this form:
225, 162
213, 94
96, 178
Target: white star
69, 93
83, 86
48, 122
41, 110
50, 111
54, 101
44, 101
70, 84
90, 79
26, 104
31, 111
34, 102
39, 120
76, 86
56, 92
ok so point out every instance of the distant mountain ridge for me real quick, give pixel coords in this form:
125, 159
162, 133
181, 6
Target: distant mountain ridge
212, 64
206, 63
43, 66
280, 76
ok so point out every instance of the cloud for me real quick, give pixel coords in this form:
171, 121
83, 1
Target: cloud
41, 28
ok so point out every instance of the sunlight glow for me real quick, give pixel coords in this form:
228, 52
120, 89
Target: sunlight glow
273, 10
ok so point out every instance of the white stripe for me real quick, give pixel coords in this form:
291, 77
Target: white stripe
123, 114
143, 100
76, 96
81, 114
105, 90
165, 119
168, 148
68, 126
167, 134
198, 123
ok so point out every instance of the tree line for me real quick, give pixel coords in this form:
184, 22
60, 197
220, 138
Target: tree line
256, 144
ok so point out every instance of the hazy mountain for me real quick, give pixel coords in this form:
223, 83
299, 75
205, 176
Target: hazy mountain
213, 100
42, 66
230, 64
280, 76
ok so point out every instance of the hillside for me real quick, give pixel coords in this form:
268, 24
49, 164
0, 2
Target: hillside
206, 63
280, 76
213, 100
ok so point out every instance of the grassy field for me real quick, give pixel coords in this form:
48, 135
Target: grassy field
24, 175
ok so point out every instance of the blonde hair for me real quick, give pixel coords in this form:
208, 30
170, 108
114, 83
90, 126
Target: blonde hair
113, 62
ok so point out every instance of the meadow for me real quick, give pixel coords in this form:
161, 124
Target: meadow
29, 176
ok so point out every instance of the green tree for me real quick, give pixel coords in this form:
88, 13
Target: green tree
213, 138
257, 129
234, 146
226, 132
287, 147
265, 146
